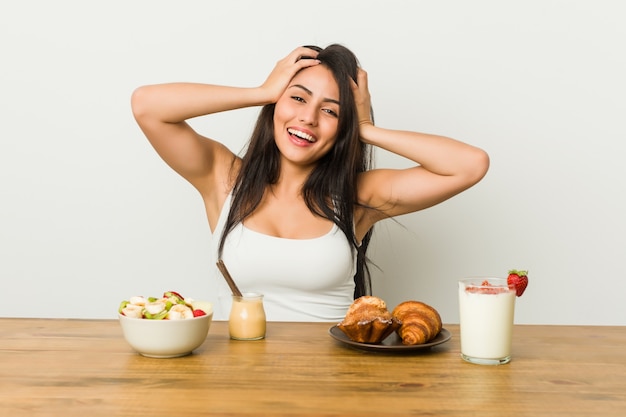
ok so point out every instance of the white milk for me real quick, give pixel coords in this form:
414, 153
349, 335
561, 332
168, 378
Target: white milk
486, 322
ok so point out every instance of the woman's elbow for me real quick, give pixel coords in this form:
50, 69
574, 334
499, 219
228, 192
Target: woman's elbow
139, 102
478, 166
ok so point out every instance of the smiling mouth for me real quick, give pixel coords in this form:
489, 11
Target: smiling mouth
301, 135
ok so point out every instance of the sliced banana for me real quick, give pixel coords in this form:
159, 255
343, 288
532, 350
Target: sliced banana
180, 311
133, 311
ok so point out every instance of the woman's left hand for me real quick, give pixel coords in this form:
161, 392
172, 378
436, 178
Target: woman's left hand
362, 99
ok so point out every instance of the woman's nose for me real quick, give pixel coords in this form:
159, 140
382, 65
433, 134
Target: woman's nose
308, 115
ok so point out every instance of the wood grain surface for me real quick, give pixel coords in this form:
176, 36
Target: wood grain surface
51, 367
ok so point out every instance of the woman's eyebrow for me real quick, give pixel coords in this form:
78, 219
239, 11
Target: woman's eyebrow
309, 92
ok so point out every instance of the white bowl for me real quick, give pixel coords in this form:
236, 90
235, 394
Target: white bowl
165, 338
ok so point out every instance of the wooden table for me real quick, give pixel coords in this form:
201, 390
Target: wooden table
84, 368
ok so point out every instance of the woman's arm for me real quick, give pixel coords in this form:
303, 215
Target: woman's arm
444, 167
162, 111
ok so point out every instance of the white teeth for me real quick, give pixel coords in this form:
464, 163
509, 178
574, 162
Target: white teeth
301, 135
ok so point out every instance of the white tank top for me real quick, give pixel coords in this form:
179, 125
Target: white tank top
300, 279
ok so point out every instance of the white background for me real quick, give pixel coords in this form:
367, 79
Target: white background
89, 214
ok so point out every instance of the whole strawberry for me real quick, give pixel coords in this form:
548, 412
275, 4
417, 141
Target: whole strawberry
518, 280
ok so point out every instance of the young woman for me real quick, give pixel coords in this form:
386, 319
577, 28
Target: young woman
292, 217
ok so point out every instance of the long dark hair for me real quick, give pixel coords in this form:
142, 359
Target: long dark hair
330, 189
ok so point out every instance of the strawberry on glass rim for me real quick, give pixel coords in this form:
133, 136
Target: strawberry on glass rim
518, 280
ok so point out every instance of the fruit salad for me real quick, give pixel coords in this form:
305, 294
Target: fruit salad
171, 306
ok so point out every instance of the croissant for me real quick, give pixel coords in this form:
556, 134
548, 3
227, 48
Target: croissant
368, 320
420, 322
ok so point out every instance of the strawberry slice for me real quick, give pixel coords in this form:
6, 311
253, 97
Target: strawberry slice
198, 313
485, 287
175, 296
518, 280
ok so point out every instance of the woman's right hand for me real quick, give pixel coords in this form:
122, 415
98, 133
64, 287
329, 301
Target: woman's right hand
286, 69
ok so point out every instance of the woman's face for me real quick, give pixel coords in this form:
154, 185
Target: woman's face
306, 116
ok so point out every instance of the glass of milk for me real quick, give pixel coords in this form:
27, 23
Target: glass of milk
247, 317
486, 310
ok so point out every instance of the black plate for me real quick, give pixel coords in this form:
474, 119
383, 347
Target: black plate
392, 343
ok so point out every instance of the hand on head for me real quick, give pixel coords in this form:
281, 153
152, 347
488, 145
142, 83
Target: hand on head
286, 68
362, 98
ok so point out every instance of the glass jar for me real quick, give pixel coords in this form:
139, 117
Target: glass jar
247, 317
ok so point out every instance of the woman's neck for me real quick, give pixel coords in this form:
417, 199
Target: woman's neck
291, 180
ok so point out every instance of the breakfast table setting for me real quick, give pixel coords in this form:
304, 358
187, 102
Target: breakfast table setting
166, 356
72, 367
